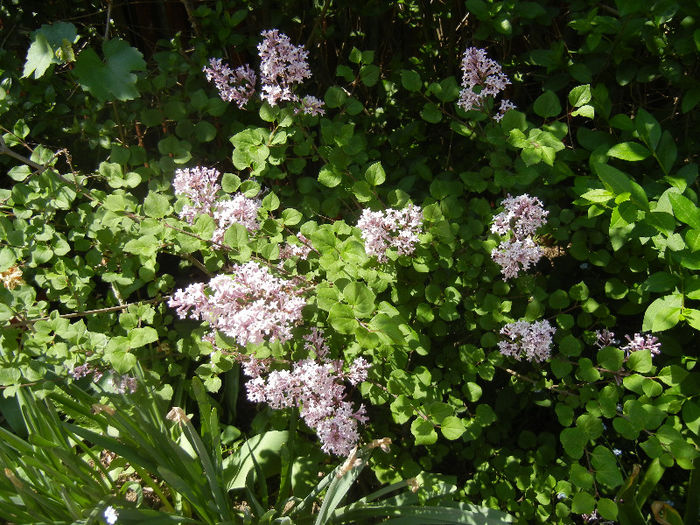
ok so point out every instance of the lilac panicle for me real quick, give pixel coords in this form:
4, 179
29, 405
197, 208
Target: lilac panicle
522, 216
282, 65
642, 342
516, 255
251, 305
481, 77
397, 229
233, 85
316, 387
530, 341
199, 184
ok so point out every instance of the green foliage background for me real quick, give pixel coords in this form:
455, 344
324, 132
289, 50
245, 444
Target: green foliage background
96, 120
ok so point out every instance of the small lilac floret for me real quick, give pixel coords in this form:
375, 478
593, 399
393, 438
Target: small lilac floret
531, 341
237, 210
605, 337
296, 250
397, 229
233, 85
311, 105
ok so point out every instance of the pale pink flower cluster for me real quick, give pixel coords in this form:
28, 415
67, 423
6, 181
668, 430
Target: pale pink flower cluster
234, 85
642, 342
531, 341
282, 65
296, 250
482, 77
200, 185
86, 369
635, 343
397, 229
504, 106
311, 105
522, 216
240, 209
316, 387
250, 306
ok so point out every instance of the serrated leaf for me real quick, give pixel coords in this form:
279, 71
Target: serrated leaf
112, 78
40, 56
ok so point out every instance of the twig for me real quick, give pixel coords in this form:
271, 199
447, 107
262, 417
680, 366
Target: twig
96, 311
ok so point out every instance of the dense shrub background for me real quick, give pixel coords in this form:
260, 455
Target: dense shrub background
113, 100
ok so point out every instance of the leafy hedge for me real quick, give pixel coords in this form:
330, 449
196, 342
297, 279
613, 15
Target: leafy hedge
116, 296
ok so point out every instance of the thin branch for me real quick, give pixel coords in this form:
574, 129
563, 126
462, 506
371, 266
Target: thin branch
96, 311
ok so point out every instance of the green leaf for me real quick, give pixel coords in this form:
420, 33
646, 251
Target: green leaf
431, 113
236, 236
40, 56
291, 217
410, 80
547, 105
375, 174
146, 245
360, 297
329, 177
611, 358
583, 503
342, 318
334, 97
401, 409
685, 210
573, 440
452, 427
423, 431
663, 313
607, 508
139, 337
605, 465
369, 74
629, 151
122, 361
640, 361
156, 205
648, 128
620, 183
580, 95
113, 78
